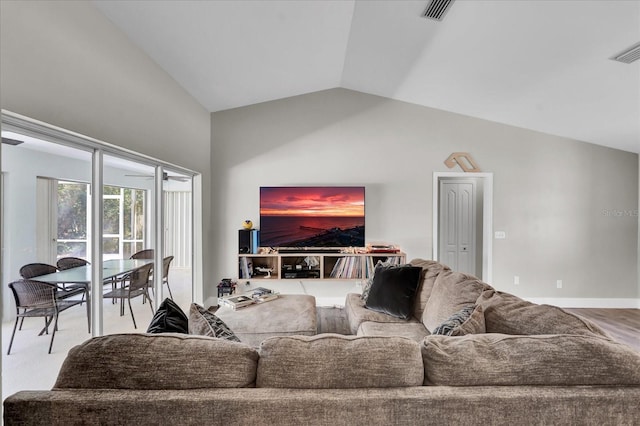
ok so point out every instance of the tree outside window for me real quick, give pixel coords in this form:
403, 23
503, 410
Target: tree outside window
123, 220
72, 219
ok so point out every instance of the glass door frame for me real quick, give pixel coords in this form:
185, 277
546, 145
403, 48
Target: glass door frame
20, 124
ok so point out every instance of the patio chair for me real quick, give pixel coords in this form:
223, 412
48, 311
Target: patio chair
143, 254
34, 270
138, 286
38, 299
166, 262
70, 262
31, 270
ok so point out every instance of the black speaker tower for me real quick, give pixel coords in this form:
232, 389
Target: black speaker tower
248, 241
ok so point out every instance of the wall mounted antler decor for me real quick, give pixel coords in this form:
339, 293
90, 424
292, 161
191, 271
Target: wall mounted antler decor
464, 160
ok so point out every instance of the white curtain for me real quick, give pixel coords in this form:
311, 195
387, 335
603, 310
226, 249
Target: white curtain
177, 226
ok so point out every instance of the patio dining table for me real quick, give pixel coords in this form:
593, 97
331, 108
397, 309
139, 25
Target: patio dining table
111, 269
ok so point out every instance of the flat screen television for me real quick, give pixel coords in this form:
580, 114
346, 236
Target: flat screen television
312, 216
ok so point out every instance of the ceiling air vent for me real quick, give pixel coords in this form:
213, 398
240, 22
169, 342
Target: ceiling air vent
436, 9
632, 54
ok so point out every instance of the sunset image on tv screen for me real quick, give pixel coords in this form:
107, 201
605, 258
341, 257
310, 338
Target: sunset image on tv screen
324, 216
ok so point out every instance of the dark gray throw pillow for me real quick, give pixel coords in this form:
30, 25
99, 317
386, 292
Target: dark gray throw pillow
366, 287
393, 290
169, 318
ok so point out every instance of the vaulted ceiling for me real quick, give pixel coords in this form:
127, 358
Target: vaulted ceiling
541, 65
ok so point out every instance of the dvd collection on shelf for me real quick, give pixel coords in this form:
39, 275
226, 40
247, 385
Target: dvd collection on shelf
347, 267
350, 267
255, 296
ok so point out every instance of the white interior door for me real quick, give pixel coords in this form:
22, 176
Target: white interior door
458, 225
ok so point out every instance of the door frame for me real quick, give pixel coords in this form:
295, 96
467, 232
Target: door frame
487, 217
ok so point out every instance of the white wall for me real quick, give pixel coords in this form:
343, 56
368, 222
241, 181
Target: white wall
64, 63
551, 194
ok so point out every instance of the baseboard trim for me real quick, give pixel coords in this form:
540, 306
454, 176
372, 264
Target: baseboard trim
568, 302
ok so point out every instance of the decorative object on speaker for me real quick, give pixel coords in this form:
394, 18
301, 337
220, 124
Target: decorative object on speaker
247, 224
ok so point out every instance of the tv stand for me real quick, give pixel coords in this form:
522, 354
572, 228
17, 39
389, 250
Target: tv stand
313, 263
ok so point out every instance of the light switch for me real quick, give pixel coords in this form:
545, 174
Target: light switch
500, 235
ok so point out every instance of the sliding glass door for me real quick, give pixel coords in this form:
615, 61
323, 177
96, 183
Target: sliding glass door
51, 183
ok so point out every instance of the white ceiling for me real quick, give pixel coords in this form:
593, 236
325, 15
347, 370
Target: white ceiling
541, 65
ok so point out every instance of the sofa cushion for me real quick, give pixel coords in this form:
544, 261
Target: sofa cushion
430, 271
158, 361
469, 320
333, 361
393, 290
411, 330
169, 318
554, 360
452, 291
205, 323
357, 313
509, 314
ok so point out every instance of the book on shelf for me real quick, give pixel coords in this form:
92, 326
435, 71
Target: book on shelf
347, 267
246, 268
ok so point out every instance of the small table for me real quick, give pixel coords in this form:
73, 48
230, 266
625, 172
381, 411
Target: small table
288, 315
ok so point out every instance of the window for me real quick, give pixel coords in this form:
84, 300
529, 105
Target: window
123, 221
73, 199
133, 220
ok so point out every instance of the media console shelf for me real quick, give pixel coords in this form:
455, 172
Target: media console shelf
309, 264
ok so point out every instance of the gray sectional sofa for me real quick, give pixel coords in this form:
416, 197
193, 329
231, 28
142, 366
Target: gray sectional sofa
443, 292
533, 364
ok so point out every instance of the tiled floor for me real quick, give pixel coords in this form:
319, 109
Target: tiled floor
30, 367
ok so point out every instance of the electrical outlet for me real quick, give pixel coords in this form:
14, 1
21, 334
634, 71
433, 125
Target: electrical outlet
559, 283
516, 280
